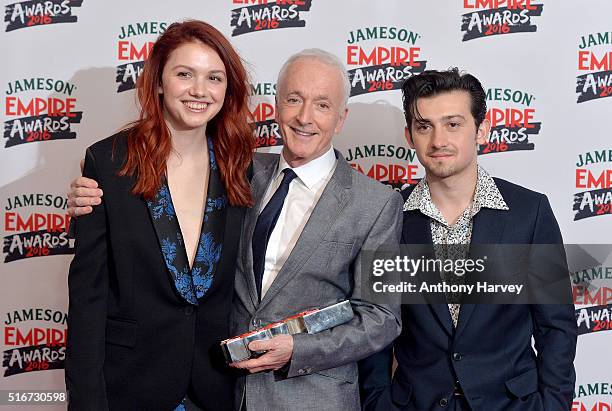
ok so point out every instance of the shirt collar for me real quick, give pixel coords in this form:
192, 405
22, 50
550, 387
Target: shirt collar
313, 171
420, 199
486, 195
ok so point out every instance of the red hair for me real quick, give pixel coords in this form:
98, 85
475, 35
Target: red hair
149, 143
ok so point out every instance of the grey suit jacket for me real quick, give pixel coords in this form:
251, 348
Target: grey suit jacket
354, 213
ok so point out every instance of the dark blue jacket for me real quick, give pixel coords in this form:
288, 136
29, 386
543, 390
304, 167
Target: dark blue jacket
490, 353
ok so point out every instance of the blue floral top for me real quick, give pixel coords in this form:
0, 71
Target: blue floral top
191, 284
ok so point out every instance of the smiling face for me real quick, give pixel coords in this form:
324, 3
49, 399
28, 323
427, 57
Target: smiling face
193, 86
309, 109
446, 138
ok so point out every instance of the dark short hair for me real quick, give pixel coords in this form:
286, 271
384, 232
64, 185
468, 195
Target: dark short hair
433, 82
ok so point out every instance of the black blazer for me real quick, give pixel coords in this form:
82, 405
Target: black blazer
490, 352
133, 342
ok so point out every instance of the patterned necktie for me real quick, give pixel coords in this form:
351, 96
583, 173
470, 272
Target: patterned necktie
265, 225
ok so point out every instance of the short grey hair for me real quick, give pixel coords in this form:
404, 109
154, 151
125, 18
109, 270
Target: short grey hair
321, 56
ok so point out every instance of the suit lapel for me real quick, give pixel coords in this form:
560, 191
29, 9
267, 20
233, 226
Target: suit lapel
488, 228
416, 228
333, 199
417, 232
259, 184
165, 223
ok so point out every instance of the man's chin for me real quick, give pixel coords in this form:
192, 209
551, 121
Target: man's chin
291, 156
441, 172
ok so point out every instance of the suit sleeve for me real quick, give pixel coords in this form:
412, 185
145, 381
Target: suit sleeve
88, 290
373, 327
555, 331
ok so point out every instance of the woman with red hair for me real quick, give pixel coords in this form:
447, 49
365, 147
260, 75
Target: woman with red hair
151, 282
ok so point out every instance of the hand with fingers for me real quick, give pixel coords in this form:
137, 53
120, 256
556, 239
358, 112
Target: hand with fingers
278, 353
83, 195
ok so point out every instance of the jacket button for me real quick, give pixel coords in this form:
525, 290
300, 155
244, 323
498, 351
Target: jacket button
443, 402
457, 356
256, 323
188, 310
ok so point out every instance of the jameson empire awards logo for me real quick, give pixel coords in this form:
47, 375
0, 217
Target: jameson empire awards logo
36, 117
39, 12
266, 129
582, 392
36, 340
593, 174
595, 66
36, 225
380, 58
512, 121
590, 287
133, 48
496, 17
397, 169
594, 319
260, 15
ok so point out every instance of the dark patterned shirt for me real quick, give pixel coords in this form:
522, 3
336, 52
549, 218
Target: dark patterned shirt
193, 282
442, 233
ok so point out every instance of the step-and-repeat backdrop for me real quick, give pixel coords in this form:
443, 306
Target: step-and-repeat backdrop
68, 72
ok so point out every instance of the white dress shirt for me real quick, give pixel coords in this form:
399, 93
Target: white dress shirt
304, 193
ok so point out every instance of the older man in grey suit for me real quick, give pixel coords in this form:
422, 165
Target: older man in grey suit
329, 214
301, 245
